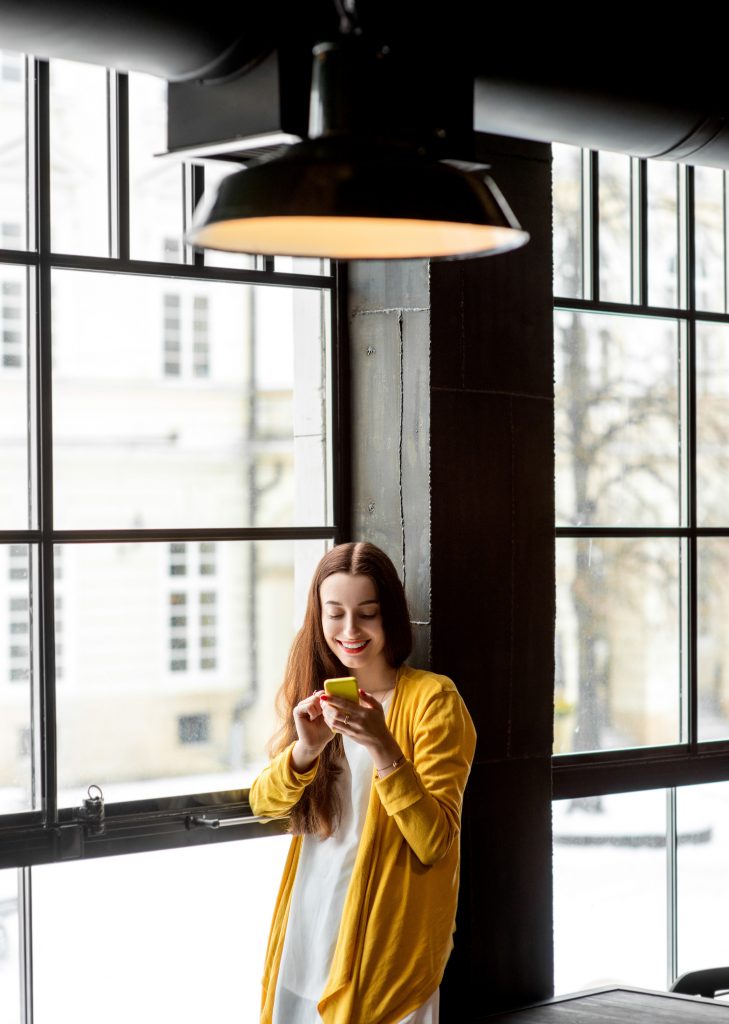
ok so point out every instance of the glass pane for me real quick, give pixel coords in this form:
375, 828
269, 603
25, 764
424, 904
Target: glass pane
301, 265
188, 403
182, 647
619, 650
663, 234
615, 259
9, 948
712, 424
16, 495
79, 159
610, 891
703, 895
710, 245
181, 938
14, 194
617, 420
18, 670
215, 171
567, 214
713, 638
155, 183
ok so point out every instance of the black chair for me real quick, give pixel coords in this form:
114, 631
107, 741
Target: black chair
703, 983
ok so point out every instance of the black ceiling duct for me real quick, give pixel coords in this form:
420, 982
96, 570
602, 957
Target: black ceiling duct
628, 88
179, 42
600, 112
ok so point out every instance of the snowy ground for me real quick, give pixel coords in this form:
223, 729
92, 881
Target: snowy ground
610, 900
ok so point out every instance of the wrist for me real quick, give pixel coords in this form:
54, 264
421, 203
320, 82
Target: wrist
383, 754
386, 769
303, 756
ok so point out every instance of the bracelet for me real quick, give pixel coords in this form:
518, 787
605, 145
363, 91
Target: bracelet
395, 764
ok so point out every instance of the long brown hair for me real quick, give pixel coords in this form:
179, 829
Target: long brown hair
310, 662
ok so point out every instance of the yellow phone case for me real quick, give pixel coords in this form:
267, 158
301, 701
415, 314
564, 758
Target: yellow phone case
345, 686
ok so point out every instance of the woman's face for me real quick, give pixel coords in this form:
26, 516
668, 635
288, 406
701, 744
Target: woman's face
352, 621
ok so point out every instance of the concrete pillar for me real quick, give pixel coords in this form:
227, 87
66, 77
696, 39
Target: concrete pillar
453, 475
389, 331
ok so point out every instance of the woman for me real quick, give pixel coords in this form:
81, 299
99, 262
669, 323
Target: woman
364, 917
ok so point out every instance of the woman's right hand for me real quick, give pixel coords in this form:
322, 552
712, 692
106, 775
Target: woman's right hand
312, 730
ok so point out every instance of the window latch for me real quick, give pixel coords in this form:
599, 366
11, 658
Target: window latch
91, 811
193, 820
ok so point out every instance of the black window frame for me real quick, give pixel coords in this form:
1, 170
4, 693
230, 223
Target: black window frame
623, 770
52, 834
693, 762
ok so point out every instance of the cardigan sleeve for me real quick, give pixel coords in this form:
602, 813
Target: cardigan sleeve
279, 787
424, 795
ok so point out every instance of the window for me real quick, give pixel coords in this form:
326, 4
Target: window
159, 530
178, 632
193, 641
19, 646
171, 336
200, 345
18, 606
186, 352
12, 327
178, 559
642, 443
193, 728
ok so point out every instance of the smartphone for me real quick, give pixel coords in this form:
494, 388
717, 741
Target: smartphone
345, 687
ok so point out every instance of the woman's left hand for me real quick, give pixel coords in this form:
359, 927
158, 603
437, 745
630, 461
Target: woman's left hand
364, 723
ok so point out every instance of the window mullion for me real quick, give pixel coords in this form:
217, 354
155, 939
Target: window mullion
682, 236
692, 660
30, 152
188, 205
339, 399
111, 165
25, 922
639, 231
690, 254
590, 206
197, 188
46, 663
30, 279
117, 122
689, 212
671, 887
121, 121
725, 218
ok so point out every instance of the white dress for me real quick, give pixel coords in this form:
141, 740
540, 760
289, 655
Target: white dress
317, 900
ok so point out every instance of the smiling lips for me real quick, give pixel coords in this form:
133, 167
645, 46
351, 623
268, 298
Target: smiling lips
353, 648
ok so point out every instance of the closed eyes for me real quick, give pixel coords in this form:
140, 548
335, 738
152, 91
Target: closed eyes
361, 615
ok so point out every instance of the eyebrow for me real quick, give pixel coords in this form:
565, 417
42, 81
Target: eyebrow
372, 600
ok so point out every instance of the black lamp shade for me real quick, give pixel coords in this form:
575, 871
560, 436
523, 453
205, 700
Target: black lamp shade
356, 199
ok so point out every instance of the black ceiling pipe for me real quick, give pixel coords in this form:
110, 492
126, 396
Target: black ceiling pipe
627, 117
175, 41
650, 89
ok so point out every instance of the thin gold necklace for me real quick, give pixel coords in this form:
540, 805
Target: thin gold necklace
385, 693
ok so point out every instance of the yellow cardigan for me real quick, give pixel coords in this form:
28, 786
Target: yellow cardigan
399, 914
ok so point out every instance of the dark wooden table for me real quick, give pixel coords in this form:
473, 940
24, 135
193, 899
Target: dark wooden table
618, 1006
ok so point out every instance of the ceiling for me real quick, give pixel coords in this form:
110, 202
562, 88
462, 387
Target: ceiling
622, 82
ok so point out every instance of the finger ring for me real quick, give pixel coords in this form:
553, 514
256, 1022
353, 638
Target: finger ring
346, 719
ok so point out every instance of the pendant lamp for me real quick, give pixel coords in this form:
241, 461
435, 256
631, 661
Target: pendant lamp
353, 190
